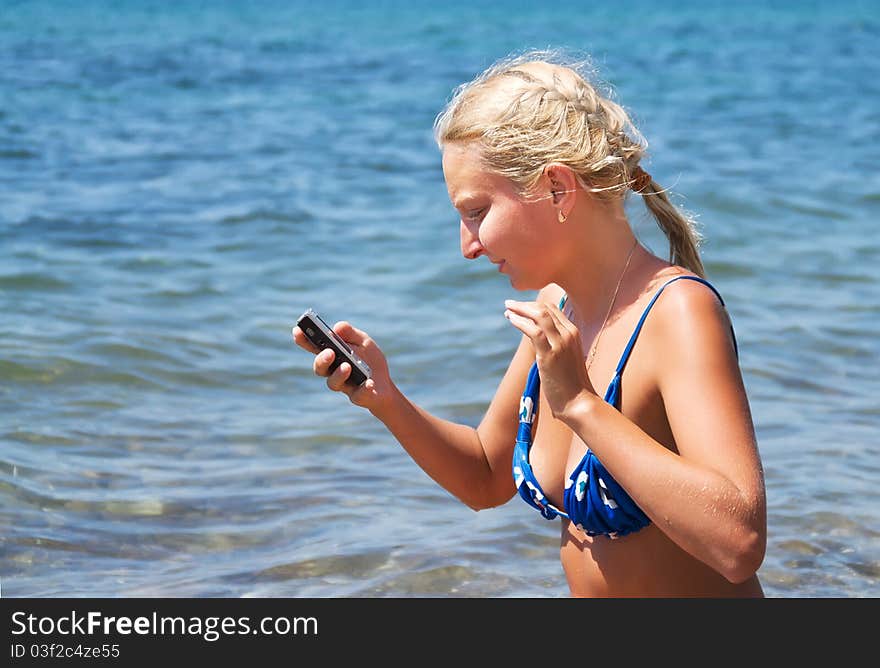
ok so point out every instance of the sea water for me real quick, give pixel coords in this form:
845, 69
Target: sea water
179, 181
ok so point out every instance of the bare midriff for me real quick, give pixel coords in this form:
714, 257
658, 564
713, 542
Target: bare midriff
643, 564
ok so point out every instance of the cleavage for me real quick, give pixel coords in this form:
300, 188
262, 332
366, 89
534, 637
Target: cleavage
554, 454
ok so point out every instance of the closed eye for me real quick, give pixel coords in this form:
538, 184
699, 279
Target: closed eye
476, 214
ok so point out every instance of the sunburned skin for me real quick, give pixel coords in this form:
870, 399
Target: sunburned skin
605, 567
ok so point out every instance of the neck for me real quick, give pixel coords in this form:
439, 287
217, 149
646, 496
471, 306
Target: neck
590, 285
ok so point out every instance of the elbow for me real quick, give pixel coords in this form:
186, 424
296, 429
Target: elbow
472, 501
745, 557
483, 499
478, 504
471, 498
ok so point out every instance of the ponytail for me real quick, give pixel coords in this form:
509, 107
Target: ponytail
684, 240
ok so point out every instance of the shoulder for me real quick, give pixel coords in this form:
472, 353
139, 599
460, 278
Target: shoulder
691, 327
688, 302
550, 294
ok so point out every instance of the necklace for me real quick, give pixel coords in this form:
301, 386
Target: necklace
610, 306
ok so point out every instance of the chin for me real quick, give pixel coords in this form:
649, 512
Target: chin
520, 285
522, 281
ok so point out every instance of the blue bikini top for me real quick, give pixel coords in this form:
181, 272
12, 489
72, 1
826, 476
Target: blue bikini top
593, 500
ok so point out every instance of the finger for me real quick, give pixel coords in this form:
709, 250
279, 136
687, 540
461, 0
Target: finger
569, 325
540, 315
360, 394
568, 337
336, 380
564, 326
351, 334
302, 341
528, 327
557, 312
322, 362
533, 310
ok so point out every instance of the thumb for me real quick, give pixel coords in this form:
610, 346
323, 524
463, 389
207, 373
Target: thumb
350, 334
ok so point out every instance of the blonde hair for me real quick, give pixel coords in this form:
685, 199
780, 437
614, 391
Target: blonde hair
527, 111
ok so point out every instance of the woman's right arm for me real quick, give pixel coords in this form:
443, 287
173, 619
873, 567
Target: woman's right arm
472, 464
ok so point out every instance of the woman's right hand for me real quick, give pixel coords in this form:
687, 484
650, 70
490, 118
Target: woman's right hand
378, 390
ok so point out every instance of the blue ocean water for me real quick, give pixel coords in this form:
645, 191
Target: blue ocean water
179, 181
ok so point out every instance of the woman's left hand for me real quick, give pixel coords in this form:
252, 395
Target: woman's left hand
558, 352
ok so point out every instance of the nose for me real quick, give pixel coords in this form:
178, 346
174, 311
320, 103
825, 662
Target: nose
471, 248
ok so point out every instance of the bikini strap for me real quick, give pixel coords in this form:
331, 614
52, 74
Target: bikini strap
612, 394
635, 335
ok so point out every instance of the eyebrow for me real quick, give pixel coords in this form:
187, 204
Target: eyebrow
464, 198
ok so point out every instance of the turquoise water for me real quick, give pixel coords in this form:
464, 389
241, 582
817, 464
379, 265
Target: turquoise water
180, 182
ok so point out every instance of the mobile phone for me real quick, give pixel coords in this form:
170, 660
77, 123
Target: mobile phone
320, 334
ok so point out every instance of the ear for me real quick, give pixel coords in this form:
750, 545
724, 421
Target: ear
562, 185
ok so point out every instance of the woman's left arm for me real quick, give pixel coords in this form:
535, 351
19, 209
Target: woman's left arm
709, 496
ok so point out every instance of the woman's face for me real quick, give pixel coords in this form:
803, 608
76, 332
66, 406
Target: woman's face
515, 234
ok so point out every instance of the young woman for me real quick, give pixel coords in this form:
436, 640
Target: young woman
657, 479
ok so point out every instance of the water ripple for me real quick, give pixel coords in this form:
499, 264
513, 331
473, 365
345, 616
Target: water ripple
180, 184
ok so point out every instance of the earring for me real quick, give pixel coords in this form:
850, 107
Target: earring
562, 216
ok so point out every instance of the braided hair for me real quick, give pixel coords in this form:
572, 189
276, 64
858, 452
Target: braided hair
531, 110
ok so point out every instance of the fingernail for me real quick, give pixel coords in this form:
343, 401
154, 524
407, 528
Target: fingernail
508, 302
